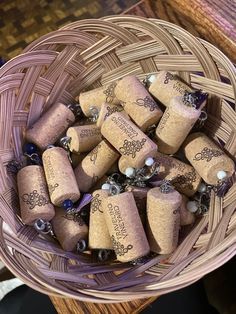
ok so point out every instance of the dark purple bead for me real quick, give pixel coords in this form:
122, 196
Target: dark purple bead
67, 204
2, 61
200, 97
30, 148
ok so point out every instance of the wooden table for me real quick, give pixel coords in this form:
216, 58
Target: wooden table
212, 20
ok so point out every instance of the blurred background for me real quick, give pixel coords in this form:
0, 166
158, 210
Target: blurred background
23, 21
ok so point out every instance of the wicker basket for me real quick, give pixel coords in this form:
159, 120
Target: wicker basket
85, 55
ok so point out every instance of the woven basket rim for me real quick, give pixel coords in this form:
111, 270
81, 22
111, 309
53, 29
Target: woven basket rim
88, 54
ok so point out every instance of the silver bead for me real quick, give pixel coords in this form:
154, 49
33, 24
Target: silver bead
202, 188
192, 206
103, 255
81, 245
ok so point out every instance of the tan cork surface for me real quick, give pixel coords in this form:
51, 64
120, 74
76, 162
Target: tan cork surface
99, 237
125, 227
207, 157
128, 139
33, 194
137, 102
60, 176
95, 165
83, 138
167, 86
163, 220
68, 230
106, 110
54, 123
175, 124
96, 97
185, 178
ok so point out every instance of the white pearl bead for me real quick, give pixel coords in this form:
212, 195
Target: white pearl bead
106, 186
151, 78
149, 161
192, 206
130, 172
202, 188
221, 175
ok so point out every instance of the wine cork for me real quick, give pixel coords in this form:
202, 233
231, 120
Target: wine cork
163, 220
68, 229
207, 158
140, 197
184, 177
137, 102
96, 97
51, 126
99, 237
186, 217
106, 110
33, 194
83, 138
128, 139
166, 86
60, 176
176, 122
95, 165
125, 227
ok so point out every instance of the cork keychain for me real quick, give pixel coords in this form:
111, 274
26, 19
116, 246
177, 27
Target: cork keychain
83, 138
54, 123
175, 124
163, 218
209, 160
33, 195
96, 97
129, 140
164, 86
106, 110
99, 237
183, 176
60, 176
95, 165
125, 227
70, 230
137, 102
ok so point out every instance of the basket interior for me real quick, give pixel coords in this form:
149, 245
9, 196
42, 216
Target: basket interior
82, 56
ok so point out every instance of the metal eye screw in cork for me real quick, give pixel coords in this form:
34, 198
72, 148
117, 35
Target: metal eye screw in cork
43, 226
103, 255
81, 246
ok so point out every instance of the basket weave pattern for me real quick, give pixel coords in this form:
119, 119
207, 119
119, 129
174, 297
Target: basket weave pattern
85, 55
